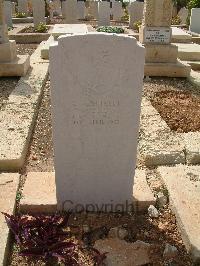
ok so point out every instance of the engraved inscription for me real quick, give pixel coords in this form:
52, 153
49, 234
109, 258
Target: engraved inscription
96, 112
157, 35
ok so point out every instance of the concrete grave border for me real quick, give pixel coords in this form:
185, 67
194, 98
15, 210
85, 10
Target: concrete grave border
158, 145
20, 112
19, 37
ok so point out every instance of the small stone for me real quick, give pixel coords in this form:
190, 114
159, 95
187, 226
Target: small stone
170, 251
120, 252
161, 200
153, 212
118, 232
147, 78
86, 228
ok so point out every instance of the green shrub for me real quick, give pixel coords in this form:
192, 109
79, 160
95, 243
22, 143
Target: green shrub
136, 25
176, 20
41, 28
194, 4
110, 29
126, 16
20, 15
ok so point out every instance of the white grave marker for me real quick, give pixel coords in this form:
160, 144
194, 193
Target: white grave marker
117, 10
69, 11
38, 12
195, 20
8, 13
96, 115
104, 13
80, 9
23, 7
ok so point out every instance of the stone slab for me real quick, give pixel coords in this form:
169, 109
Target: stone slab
17, 67
192, 147
19, 114
142, 194
157, 144
188, 51
183, 185
179, 69
62, 29
42, 199
180, 36
8, 189
160, 53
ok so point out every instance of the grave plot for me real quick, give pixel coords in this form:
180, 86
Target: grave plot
157, 230
30, 34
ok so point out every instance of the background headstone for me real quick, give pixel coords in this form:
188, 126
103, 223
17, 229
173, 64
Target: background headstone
58, 10
80, 9
103, 13
93, 9
183, 14
136, 13
95, 118
13, 9
8, 13
38, 12
69, 11
23, 7
195, 20
116, 10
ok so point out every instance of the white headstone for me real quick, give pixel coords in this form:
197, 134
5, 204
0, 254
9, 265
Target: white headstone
183, 14
23, 6
103, 13
117, 10
93, 9
69, 11
58, 10
80, 9
13, 8
38, 12
195, 20
95, 115
8, 13
136, 12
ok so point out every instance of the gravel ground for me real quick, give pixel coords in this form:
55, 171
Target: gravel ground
8, 84
40, 157
26, 48
156, 231
177, 101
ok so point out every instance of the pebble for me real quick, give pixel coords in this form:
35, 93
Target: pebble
170, 251
118, 232
153, 212
86, 228
161, 200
